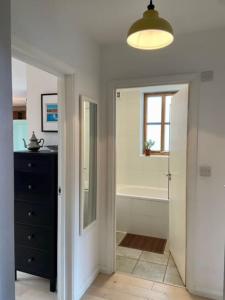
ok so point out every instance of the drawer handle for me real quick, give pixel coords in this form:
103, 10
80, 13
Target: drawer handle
30, 260
29, 165
30, 213
29, 187
30, 237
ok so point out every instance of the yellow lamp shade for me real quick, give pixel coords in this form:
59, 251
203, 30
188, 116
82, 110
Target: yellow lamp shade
151, 32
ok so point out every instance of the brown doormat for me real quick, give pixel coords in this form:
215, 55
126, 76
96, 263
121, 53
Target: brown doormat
144, 243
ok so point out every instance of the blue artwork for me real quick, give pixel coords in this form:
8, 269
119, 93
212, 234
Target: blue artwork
52, 112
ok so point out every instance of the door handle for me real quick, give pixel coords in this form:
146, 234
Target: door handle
59, 191
169, 175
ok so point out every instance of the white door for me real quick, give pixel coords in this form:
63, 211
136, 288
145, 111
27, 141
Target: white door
177, 185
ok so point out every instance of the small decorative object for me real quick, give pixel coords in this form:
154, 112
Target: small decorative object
49, 112
34, 144
148, 145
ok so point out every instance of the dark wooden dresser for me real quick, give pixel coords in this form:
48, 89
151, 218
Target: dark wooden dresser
36, 214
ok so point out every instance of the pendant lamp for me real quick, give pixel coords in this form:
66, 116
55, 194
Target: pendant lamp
151, 32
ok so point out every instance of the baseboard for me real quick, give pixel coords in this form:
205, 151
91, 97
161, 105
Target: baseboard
105, 270
88, 282
214, 295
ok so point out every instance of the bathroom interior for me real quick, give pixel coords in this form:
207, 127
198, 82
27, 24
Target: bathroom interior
142, 183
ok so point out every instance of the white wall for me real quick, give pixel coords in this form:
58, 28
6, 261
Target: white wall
7, 290
194, 52
133, 168
39, 82
47, 26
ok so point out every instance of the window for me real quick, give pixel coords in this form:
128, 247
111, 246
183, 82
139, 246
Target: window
157, 121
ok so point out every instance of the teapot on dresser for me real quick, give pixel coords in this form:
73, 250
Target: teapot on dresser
34, 144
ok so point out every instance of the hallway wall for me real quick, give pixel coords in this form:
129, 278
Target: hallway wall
7, 289
191, 53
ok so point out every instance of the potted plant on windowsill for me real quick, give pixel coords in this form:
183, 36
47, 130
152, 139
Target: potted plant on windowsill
147, 147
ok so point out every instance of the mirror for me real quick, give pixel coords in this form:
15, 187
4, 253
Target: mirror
88, 159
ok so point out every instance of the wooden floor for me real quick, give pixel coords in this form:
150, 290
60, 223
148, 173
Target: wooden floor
124, 287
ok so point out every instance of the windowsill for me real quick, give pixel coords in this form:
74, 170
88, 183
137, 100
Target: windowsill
154, 156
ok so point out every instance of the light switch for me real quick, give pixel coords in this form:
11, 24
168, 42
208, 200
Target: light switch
205, 171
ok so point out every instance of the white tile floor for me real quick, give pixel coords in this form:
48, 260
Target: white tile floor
147, 265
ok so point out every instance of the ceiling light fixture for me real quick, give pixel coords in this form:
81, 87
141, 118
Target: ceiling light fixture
151, 32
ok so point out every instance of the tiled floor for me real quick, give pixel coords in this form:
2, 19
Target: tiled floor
30, 287
147, 265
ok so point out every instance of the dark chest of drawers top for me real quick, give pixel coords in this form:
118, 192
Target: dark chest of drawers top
35, 191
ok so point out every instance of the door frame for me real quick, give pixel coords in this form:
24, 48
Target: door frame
192, 169
67, 279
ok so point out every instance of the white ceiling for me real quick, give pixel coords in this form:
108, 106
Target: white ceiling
108, 21
19, 82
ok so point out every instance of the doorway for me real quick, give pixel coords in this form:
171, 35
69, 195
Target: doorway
148, 205
67, 94
36, 142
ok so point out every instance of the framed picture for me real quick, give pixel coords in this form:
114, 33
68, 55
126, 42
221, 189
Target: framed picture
49, 112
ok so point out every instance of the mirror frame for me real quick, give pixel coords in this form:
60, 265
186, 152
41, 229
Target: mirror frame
82, 100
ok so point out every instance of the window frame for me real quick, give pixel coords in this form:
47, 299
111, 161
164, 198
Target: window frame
162, 123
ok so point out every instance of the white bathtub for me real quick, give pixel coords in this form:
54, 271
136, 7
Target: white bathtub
142, 210
143, 192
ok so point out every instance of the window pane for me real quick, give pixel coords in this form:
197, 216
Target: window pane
167, 113
154, 113
154, 134
167, 138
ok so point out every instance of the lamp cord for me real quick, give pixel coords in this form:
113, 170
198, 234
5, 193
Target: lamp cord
151, 5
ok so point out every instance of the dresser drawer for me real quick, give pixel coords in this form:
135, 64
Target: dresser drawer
33, 187
32, 163
33, 261
33, 214
34, 237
